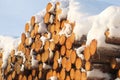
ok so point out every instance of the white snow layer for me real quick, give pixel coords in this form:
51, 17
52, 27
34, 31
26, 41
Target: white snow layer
7, 44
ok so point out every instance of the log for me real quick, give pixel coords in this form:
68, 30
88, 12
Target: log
46, 18
62, 50
9, 77
68, 65
62, 39
55, 65
111, 52
111, 40
77, 75
20, 77
57, 26
23, 37
37, 37
62, 74
32, 34
52, 45
49, 7
64, 62
57, 55
68, 43
56, 38
93, 47
68, 53
67, 77
54, 73
118, 73
49, 74
47, 44
72, 73
46, 55
32, 21
40, 75
38, 57
36, 28
51, 28
24, 78
83, 76
30, 77
87, 66
38, 45
87, 53
78, 63
73, 57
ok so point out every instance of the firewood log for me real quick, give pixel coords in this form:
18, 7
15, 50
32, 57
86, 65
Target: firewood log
24, 78
68, 53
62, 39
40, 75
32, 21
13, 74
55, 65
28, 28
62, 50
93, 47
87, 53
113, 63
9, 77
68, 65
52, 45
30, 77
46, 18
77, 75
64, 62
49, 74
78, 63
83, 76
67, 77
57, 55
118, 73
57, 26
56, 38
38, 57
73, 57
20, 77
47, 44
72, 73
23, 37
37, 37
49, 7
36, 28
32, 34
62, 74
38, 45
112, 40
40, 67
87, 66
68, 43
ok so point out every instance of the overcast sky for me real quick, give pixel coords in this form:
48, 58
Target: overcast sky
15, 13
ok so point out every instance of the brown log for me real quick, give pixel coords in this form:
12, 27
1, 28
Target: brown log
68, 53
27, 27
55, 65
32, 34
30, 77
112, 40
51, 28
68, 43
78, 63
67, 77
46, 55
37, 37
23, 37
87, 53
24, 78
40, 75
72, 73
57, 26
49, 74
72, 37
62, 50
54, 73
9, 77
56, 38
77, 75
93, 46
83, 76
47, 44
73, 57
38, 57
64, 62
87, 66
46, 18
68, 65
111, 52
62, 39
20, 77
38, 45
52, 45
62, 74
36, 28
32, 21
49, 7
58, 75
57, 55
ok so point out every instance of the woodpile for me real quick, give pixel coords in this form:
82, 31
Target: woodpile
44, 53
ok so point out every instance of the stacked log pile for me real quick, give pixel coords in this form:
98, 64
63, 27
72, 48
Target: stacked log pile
48, 50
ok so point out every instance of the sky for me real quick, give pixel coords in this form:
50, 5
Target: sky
15, 13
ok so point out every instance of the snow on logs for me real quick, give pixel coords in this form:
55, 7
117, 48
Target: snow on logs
49, 50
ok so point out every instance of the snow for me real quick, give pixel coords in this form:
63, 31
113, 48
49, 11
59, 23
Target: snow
42, 27
7, 44
106, 20
117, 79
95, 73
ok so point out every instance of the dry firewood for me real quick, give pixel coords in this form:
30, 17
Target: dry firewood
57, 26
51, 28
62, 50
30, 77
68, 65
47, 44
68, 43
67, 77
38, 57
33, 46
32, 34
93, 47
23, 37
58, 75
72, 73
49, 74
78, 63
112, 40
62, 39
24, 78
72, 37
73, 57
46, 18
52, 45
40, 75
9, 77
32, 21
83, 76
38, 45
64, 62
20, 77
56, 38
87, 66
54, 73
77, 75
55, 65
13, 74
36, 28
62, 74
57, 55
28, 28
87, 53
49, 7
68, 53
